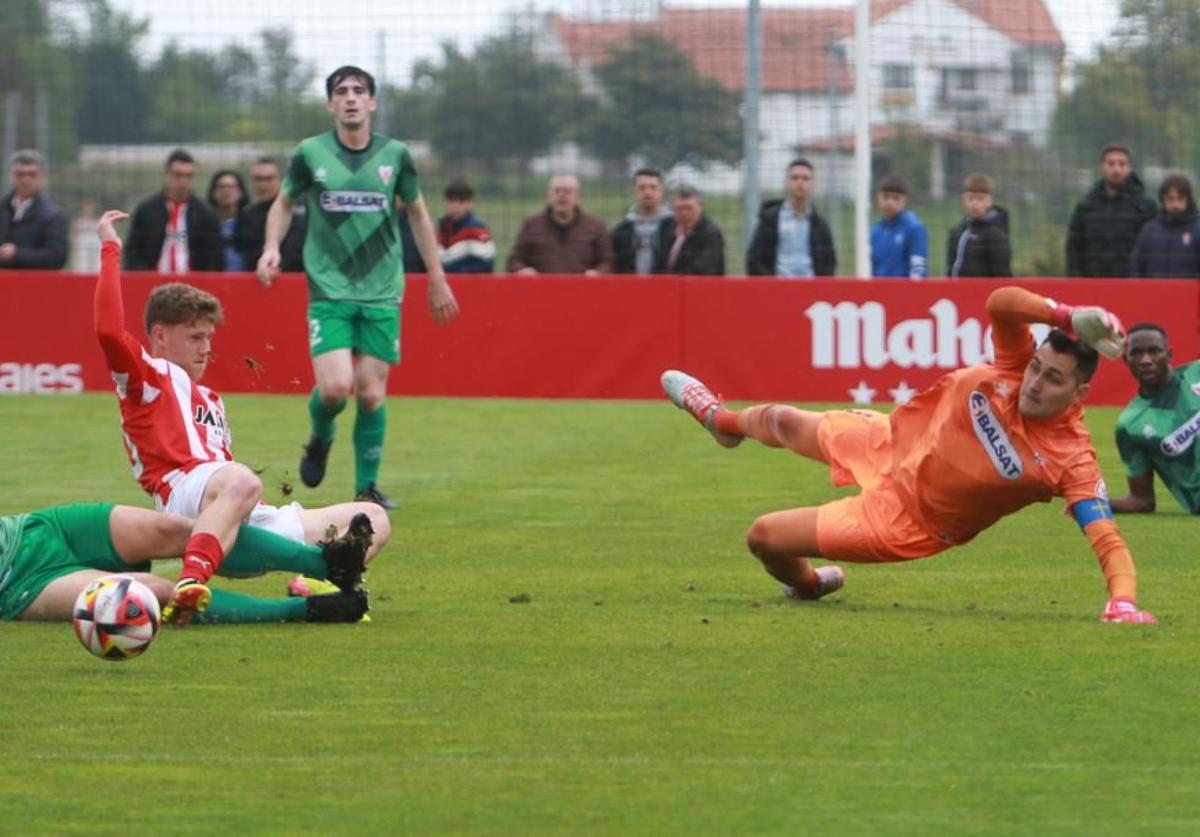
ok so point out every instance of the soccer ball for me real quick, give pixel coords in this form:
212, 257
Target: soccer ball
116, 617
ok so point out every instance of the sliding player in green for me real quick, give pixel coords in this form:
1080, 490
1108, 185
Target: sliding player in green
48, 556
1156, 432
355, 182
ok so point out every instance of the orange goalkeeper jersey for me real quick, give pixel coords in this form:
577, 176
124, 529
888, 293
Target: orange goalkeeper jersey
963, 455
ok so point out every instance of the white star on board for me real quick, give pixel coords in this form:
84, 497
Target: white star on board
862, 394
902, 394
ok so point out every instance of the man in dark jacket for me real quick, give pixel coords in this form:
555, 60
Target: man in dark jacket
265, 183
1105, 224
1169, 245
174, 231
791, 238
689, 243
635, 237
979, 246
33, 230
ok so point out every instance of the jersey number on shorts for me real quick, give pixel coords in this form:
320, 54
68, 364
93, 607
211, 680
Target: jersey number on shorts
314, 332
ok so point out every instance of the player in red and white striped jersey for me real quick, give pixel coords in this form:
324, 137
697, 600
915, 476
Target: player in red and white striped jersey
176, 433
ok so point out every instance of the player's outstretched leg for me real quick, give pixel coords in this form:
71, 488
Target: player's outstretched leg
777, 426
688, 393
782, 540
229, 608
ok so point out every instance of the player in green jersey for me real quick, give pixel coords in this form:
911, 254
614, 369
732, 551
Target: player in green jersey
1157, 430
355, 182
48, 556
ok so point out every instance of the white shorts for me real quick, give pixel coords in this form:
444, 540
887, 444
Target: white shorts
187, 492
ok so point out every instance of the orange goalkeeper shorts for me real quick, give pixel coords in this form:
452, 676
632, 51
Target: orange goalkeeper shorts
874, 526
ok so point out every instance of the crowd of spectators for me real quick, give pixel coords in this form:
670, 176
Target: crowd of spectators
1115, 230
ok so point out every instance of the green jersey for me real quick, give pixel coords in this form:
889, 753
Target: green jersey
1159, 435
352, 251
10, 541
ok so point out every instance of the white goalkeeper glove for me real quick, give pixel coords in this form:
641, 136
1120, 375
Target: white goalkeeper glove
1100, 329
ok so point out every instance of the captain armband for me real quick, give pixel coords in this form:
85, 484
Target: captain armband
1087, 512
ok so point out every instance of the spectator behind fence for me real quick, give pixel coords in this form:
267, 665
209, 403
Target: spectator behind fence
265, 182
227, 197
562, 238
689, 242
899, 243
1105, 224
635, 237
174, 231
464, 241
979, 245
791, 238
85, 247
33, 230
1169, 245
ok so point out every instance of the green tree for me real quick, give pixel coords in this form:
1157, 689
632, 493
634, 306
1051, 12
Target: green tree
658, 106
189, 97
505, 102
35, 64
113, 102
1143, 88
411, 110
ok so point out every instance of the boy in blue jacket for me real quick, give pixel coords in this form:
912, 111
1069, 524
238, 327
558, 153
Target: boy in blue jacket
899, 243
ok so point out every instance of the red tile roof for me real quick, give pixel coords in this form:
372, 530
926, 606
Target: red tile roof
794, 40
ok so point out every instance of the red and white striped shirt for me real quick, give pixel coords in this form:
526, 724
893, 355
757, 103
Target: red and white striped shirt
170, 424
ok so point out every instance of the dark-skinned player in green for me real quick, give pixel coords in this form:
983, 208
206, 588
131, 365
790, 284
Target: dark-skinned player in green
1157, 430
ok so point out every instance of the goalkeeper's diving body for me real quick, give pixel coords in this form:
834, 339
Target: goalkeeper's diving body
981, 443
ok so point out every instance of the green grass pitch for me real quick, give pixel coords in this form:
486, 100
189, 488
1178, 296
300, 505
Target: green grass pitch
653, 682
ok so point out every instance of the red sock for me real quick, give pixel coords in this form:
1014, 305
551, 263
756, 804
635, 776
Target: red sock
726, 421
202, 557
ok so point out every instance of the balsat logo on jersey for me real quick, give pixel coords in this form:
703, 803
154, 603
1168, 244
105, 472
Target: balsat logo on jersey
993, 438
1179, 440
338, 200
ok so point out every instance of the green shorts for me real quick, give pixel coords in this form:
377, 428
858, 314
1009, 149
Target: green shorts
364, 329
55, 542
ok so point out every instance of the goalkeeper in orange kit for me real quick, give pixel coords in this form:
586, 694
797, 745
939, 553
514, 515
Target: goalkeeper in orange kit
979, 444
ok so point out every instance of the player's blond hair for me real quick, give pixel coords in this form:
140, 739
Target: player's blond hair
175, 303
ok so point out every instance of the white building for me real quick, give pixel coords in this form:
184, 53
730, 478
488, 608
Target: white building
961, 72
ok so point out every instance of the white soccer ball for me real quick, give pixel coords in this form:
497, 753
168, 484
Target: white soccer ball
116, 617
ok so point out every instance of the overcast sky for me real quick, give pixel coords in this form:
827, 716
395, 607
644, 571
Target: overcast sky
348, 32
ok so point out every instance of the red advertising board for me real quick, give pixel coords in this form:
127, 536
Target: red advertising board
575, 337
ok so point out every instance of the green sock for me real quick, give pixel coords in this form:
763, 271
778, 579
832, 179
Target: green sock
229, 608
369, 430
322, 415
257, 551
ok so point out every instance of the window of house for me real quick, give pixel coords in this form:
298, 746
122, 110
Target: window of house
898, 77
963, 78
1022, 74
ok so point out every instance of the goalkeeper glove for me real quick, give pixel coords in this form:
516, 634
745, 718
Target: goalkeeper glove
1122, 609
1100, 329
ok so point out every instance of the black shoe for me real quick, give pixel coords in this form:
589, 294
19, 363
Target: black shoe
345, 557
347, 606
371, 494
312, 463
